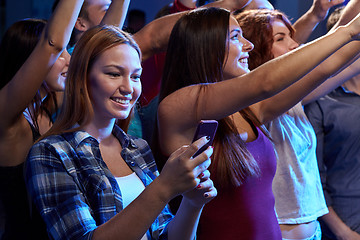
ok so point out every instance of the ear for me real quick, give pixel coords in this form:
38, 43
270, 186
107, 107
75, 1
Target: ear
81, 24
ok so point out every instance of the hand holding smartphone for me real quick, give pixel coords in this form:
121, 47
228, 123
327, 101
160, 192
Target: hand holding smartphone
205, 128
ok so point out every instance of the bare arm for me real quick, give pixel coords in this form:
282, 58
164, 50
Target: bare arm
178, 113
308, 22
348, 13
154, 37
18, 93
333, 82
116, 14
180, 174
188, 3
314, 84
224, 98
338, 227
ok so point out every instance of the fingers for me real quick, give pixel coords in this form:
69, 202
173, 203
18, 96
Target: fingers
211, 193
208, 187
202, 161
204, 176
178, 152
202, 167
201, 158
195, 146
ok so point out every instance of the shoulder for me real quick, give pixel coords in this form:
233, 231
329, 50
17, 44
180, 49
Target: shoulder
59, 145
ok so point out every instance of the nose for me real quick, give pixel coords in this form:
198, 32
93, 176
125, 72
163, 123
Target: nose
126, 86
65, 54
293, 44
247, 45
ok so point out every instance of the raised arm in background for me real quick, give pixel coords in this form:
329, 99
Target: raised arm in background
259, 84
17, 94
307, 23
116, 14
153, 37
313, 85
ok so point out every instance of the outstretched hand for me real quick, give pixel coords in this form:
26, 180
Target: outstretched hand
182, 173
321, 8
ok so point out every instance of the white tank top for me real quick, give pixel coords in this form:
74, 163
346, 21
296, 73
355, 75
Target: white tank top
130, 186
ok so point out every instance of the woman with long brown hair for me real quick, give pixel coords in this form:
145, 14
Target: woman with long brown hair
88, 178
206, 76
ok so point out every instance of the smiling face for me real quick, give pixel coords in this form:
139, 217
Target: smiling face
237, 59
114, 82
283, 41
55, 79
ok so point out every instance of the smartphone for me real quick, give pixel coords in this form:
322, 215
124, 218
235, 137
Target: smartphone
205, 128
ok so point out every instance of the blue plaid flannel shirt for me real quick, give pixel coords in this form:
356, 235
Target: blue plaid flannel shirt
75, 191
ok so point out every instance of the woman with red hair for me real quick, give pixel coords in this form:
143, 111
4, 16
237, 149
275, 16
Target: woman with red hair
299, 199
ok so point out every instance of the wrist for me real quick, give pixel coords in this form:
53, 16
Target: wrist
192, 205
161, 190
316, 14
343, 34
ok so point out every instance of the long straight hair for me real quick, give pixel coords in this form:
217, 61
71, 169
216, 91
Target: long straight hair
77, 107
196, 54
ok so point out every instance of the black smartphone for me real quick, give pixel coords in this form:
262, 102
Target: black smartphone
205, 128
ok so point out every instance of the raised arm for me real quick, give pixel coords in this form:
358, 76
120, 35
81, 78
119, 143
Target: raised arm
308, 22
18, 93
185, 107
116, 14
315, 84
154, 37
348, 13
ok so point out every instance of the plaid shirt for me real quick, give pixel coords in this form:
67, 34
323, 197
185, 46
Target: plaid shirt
75, 191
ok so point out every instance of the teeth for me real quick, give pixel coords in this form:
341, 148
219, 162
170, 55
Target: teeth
243, 60
122, 101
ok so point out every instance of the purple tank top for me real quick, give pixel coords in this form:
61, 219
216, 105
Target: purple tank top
245, 212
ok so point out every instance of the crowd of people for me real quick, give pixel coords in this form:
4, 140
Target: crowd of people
98, 121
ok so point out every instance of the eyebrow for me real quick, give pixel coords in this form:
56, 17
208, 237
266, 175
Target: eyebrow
279, 33
122, 68
236, 30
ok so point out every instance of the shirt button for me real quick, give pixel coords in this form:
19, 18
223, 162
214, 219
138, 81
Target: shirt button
132, 163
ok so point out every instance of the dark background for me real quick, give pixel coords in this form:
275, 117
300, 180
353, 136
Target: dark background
13, 10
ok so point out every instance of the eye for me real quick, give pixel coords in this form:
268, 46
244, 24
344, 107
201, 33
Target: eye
136, 77
280, 39
113, 74
235, 37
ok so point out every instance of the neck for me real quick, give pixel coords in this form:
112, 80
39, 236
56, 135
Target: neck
101, 130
